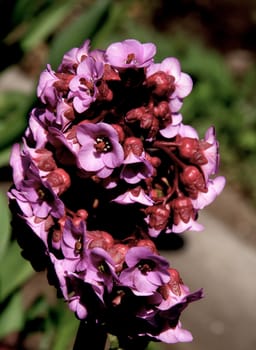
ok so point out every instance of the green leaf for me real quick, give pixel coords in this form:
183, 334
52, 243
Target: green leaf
66, 329
12, 317
25, 10
117, 12
39, 308
13, 115
5, 156
44, 24
14, 270
5, 224
82, 28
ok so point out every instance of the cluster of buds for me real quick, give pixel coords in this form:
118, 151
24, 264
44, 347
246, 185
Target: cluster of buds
105, 166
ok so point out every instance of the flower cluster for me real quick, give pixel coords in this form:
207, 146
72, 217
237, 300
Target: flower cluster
106, 165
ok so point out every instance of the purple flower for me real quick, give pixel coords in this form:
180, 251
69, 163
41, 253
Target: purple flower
61, 267
130, 53
34, 196
72, 242
214, 188
136, 195
73, 57
172, 128
210, 148
145, 272
66, 145
176, 292
46, 90
83, 88
99, 271
77, 307
136, 168
172, 335
64, 114
191, 225
36, 132
100, 151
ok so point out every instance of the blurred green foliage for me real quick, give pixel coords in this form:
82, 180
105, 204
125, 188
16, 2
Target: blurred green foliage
219, 98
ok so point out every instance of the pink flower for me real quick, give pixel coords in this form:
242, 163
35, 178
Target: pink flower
176, 334
135, 195
215, 187
83, 88
73, 57
46, 90
130, 53
100, 151
173, 128
145, 272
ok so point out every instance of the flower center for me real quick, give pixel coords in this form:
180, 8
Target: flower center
146, 266
102, 144
88, 84
78, 245
130, 58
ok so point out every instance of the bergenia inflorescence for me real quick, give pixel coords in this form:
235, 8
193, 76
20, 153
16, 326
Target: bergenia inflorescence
106, 165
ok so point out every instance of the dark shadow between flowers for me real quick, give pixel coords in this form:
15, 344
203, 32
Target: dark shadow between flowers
170, 241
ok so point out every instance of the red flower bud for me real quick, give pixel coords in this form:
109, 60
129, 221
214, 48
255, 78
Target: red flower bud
182, 210
110, 73
162, 110
134, 145
44, 160
118, 252
59, 179
147, 120
175, 281
193, 181
190, 148
148, 243
62, 85
99, 239
158, 216
120, 131
161, 83
135, 114
104, 92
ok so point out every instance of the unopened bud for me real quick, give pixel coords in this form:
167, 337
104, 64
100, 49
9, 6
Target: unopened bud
189, 148
161, 83
134, 145
175, 281
182, 210
59, 179
148, 243
158, 216
101, 239
118, 252
44, 160
62, 85
135, 114
193, 180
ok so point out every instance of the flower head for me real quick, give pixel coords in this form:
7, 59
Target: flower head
108, 128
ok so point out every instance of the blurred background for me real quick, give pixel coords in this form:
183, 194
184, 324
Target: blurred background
215, 42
